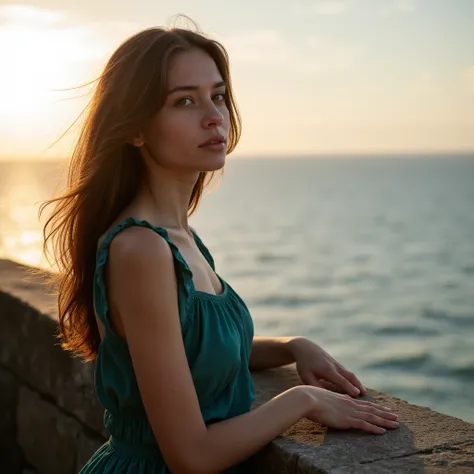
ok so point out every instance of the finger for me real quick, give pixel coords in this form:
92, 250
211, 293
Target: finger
360, 424
381, 413
310, 379
378, 420
336, 378
374, 405
352, 378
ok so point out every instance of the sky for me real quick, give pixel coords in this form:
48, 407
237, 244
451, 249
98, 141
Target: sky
311, 77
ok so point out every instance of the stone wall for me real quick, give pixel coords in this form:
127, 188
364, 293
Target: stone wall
51, 419
51, 422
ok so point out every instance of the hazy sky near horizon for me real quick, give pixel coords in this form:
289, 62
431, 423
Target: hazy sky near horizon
327, 76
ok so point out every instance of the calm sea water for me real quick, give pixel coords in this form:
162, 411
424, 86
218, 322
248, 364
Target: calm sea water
371, 258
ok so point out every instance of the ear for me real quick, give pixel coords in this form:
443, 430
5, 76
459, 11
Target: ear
137, 140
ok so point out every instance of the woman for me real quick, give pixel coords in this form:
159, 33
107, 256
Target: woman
173, 342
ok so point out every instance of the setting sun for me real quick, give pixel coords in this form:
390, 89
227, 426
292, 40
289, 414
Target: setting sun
46, 58
33, 67
37, 65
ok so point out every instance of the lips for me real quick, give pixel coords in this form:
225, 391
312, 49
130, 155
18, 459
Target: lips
216, 140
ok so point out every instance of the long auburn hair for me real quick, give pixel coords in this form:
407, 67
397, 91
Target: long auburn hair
105, 170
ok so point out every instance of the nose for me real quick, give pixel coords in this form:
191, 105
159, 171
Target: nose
213, 117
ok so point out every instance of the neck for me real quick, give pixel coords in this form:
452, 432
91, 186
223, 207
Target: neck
165, 194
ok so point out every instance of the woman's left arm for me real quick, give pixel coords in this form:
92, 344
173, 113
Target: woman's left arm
312, 362
270, 352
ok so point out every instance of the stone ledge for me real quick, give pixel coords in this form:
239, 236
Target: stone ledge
426, 441
46, 392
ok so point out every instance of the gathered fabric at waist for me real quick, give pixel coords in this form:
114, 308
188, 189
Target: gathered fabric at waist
134, 430
129, 448
132, 439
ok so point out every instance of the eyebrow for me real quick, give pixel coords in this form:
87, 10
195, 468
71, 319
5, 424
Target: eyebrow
193, 88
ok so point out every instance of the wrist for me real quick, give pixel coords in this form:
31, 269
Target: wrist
304, 399
293, 345
312, 399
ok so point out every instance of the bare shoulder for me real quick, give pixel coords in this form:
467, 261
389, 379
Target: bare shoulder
137, 240
139, 261
138, 248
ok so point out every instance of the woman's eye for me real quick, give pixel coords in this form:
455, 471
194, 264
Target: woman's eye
181, 102
220, 97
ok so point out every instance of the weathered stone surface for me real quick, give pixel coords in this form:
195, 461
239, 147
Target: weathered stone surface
47, 436
27, 342
8, 400
11, 457
28, 285
29, 348
450, 459
275, 459
318, 449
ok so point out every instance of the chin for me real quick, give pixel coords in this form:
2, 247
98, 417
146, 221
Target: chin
214, 163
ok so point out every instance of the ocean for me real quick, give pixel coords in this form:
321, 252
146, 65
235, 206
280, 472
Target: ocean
370, 257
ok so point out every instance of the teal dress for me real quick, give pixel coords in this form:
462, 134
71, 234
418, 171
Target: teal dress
217, 332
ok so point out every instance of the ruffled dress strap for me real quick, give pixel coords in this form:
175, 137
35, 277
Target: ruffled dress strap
183, 273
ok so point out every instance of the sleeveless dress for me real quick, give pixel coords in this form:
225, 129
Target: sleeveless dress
217, 331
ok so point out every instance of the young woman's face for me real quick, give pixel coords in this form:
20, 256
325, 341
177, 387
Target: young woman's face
194, 112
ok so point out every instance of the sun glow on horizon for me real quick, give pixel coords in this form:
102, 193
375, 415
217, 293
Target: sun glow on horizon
37, 65
311, 81
46, 60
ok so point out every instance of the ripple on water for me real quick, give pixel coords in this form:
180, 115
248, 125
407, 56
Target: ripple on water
266, 257
458, 320
468, 269
362, 276
407, 362
289, 301
465, 372
404, 330
250, 272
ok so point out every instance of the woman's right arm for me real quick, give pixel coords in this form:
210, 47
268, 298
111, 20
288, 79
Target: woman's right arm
142, 293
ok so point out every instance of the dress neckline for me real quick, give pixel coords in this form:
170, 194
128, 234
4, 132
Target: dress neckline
162, 230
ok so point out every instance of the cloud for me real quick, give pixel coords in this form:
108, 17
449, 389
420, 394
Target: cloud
321, 56
58, 34
398, 6
265, 47
313, 55
330, 7
324, 7
26, 14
